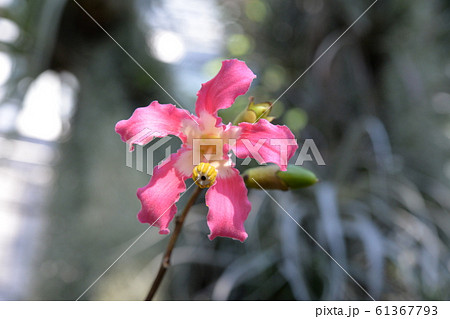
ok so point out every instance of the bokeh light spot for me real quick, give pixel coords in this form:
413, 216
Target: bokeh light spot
239, 44
296, 119
166, 46
256, 10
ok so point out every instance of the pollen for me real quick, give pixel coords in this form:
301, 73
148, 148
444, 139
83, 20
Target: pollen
204, 175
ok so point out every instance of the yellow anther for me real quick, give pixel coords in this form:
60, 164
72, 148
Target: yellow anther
204, 175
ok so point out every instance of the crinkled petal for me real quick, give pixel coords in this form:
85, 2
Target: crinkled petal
233, 79
155, 120
267, 143
185, 163
228, 206
158, 198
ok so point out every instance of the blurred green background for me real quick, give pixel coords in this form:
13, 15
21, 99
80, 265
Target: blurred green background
377, 105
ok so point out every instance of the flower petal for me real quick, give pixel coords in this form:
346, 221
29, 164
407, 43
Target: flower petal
155, 120
233, 79
184, 164
158, 198
228, 206
266, 143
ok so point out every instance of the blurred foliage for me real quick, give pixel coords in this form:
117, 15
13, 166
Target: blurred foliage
88, 222
381, 209
376, 105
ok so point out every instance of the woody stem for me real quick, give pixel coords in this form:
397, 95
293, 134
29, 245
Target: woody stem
165, 264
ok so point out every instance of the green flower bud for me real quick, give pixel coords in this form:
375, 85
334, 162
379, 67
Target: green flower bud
245, 116
255, 112
271, 177
266, 176
297, 177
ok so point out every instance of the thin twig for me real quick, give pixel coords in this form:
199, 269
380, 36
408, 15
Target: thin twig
173, 239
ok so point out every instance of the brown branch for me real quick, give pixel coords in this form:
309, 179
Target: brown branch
173, 239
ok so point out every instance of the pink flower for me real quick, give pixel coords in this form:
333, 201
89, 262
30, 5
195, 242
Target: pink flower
227, 195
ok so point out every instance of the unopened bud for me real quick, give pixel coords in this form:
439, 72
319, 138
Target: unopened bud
271, 177
254, 112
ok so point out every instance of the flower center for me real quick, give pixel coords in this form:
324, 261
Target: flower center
204, 175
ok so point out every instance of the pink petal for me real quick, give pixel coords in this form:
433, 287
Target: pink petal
267, 143
228, 207
233, 79
155, 120
158, 198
